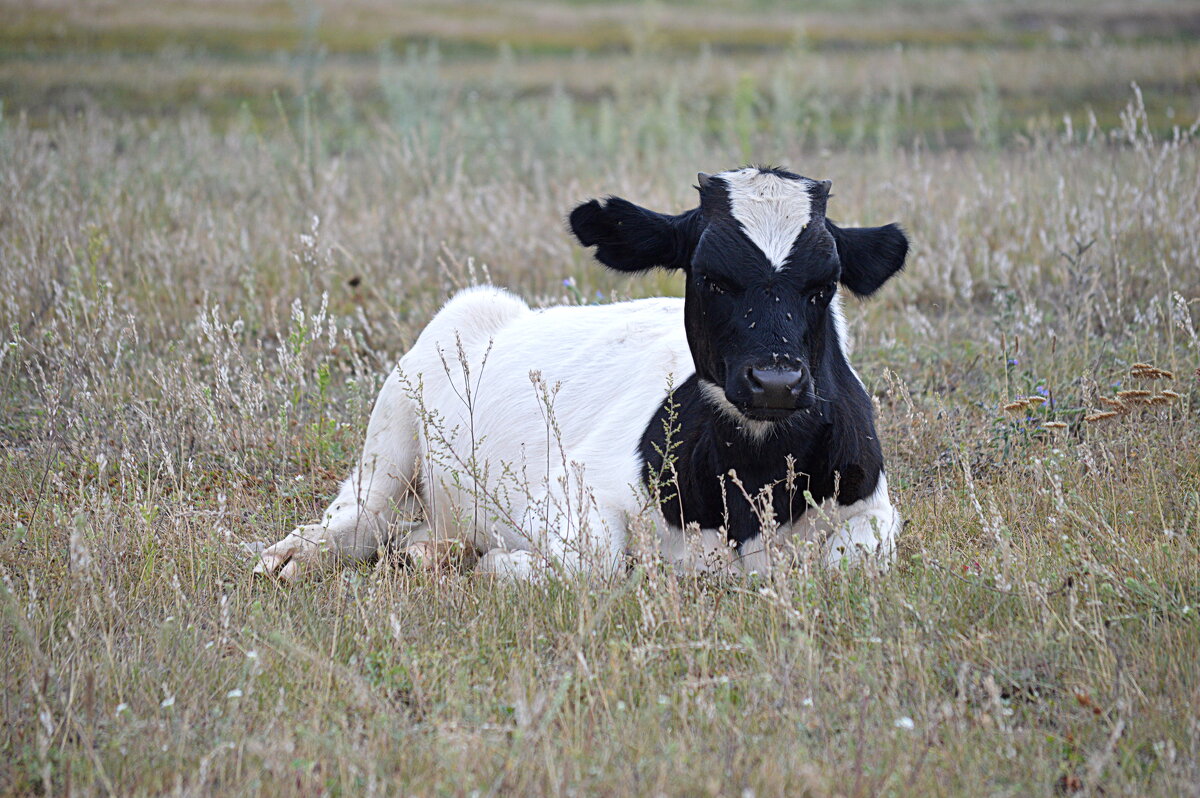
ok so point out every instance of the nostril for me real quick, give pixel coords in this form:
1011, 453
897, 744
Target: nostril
776, 387
775, 377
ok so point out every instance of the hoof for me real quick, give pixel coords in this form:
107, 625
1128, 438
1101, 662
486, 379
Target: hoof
299, 553
439, 555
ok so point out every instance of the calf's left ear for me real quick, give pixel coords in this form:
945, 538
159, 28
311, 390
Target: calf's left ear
869, 255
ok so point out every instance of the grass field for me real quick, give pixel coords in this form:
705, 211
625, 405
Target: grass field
221, 223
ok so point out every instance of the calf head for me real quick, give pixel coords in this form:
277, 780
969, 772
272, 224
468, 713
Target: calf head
763, 266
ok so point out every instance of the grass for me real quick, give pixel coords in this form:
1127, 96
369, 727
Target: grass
201, 296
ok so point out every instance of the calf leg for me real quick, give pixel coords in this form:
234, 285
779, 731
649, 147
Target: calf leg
364, 514
867, 531
577, 540
425, 552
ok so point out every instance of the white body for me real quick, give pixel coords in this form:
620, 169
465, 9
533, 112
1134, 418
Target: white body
518, 432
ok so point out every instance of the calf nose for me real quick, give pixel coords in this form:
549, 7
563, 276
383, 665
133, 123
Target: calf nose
775, 389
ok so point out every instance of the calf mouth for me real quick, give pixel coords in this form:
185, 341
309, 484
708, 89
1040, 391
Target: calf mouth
767, 413
761, 412
757, 408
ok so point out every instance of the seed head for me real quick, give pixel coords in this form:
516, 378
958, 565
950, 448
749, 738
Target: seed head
1148, 372
1115, 404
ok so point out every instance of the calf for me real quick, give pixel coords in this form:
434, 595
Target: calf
534, 438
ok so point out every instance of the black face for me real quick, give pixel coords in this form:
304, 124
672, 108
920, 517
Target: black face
757, 329
763, 265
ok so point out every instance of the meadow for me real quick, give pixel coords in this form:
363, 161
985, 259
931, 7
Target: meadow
221, 224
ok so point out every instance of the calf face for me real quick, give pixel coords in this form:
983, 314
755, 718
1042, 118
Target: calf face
763, 265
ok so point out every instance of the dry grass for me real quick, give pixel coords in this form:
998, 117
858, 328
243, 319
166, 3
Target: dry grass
238, 26
926, 72
189, 360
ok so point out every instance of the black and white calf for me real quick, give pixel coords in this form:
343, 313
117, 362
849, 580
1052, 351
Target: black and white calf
534, 437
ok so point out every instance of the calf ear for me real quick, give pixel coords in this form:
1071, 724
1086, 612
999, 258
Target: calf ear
869, 255
630, 238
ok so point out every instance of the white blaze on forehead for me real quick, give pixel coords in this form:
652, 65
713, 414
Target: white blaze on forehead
772, 210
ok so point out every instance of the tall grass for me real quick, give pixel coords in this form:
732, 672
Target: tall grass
196, 320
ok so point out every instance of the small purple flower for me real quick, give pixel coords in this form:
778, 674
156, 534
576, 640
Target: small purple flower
1042, 390
1012, 361
569, 282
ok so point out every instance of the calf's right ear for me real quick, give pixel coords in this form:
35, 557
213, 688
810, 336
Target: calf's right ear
869, 255
630, 238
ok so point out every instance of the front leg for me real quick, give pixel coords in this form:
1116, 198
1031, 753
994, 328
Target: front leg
350, 531
581, 535
865, 531
362, 516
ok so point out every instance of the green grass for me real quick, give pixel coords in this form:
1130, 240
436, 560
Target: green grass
187, 362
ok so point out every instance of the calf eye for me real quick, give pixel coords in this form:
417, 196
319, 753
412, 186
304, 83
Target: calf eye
716, 285
823, 295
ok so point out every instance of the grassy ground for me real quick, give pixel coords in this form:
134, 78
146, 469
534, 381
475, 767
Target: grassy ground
204, 286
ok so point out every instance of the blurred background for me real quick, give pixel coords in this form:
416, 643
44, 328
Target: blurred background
751, 74
484, 121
